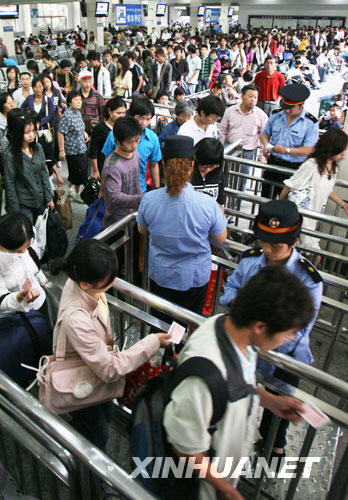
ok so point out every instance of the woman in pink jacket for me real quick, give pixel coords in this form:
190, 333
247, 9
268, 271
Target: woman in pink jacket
84, 316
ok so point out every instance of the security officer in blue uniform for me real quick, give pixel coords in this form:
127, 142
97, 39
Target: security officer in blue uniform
277, 229
289, 136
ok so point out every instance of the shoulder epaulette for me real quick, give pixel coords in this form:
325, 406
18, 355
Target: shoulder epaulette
311, 270
311, 117
252, 252
276, 111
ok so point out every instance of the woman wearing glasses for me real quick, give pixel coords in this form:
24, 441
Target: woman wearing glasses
208, 175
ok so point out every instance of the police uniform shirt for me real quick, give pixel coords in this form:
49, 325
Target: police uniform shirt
300, 267
304, 131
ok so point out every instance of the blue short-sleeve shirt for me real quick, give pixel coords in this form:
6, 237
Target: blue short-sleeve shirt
148, 149
301, 132
250, 266
180, 227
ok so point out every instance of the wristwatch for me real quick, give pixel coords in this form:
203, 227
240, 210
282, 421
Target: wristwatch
288, 151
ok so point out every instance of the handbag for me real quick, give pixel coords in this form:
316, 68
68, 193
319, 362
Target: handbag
57, 240
303, 198
90, 191
67, 385
93, 224
63, 207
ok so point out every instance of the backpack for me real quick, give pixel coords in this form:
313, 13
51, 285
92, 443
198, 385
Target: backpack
148, 436
93, 222
56, 238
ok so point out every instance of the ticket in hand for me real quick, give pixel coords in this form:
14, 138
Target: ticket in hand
176, 331
26, 285
313, 415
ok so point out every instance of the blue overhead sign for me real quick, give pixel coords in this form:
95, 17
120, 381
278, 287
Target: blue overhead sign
128, 14
212, 16
8, 28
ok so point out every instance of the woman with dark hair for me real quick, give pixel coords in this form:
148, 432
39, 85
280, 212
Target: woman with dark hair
319, 172
72, 139
180, 221
84, 318
27, 184
22, 299
12, 74
115, 108
208, 175
123, 81
44, 107
33, 67
6, 104
92, 44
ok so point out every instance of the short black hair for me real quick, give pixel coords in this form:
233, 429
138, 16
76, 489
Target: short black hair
159, 51
211, 105
126, 128
71, 95
191, 48
91, 261
25, 73
249, 87
276, 297
141, 106
65, 63
15, 230
47, 56
107, 51
93, 55
271, 58
209, 151
179, 91
130, 55
178, 47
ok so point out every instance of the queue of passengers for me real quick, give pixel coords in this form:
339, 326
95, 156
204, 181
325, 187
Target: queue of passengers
168, 166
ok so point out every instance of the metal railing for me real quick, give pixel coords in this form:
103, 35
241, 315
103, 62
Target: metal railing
334, 247
70, 458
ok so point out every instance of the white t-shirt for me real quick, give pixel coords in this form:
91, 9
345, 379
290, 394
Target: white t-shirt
194, 63
19, 98
191, 129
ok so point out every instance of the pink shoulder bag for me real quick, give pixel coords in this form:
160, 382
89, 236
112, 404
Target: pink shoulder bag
67, 385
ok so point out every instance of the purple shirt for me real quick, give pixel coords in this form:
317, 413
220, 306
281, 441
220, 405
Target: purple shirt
122, 193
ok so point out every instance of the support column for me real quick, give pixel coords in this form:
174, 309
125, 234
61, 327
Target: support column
194, 19
151, 16
224, 19
95, 24
76, 14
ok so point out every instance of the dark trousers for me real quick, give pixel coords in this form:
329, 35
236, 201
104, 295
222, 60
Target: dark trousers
280, 440
276, 177
192, 299
93, 423
32, 213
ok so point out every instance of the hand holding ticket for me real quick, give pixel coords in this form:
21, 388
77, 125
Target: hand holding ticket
311, 414
26, 285
176, 331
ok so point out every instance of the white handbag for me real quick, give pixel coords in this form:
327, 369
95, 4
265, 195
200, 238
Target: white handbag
39, 244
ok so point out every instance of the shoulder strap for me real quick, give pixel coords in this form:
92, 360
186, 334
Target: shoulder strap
199, 366
34, 256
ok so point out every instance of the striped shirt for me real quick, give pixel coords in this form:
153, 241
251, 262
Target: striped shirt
92, 107
207, 64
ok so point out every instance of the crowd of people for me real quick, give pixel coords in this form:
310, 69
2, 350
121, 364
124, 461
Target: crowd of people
130, 117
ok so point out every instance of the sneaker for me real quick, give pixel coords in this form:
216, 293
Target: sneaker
71, 192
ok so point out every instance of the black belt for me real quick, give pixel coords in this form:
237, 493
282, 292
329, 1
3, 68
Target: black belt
283, 163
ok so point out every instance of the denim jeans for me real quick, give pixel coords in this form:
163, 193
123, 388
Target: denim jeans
192, 87
93, 423
202, 85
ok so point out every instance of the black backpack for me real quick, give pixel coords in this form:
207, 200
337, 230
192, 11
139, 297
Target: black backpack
148, 436
56, 238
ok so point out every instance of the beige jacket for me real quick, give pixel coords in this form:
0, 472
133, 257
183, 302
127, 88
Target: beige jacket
88, 337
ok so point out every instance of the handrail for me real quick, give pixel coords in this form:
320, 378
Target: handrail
158, 302
230, 147
93, 458
331, 219
273, 168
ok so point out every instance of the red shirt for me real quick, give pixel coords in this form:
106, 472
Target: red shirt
269, 86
